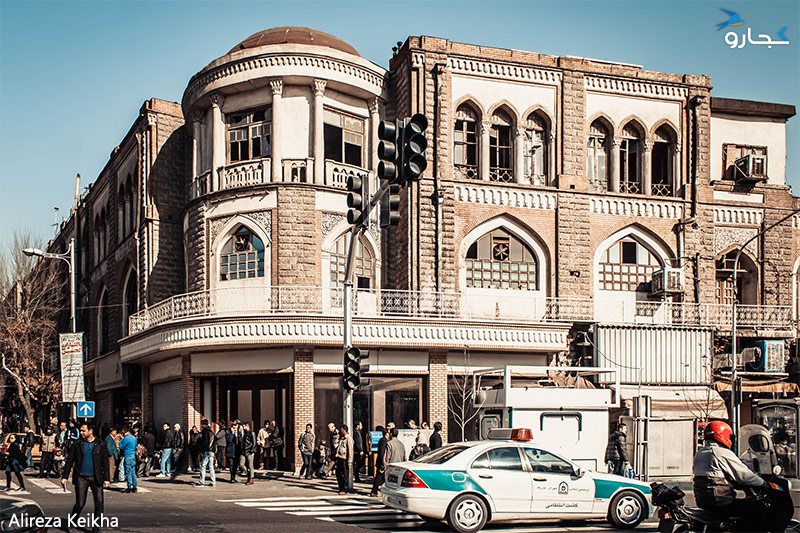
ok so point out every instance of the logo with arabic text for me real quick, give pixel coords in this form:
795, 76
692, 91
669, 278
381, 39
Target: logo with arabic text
735, 39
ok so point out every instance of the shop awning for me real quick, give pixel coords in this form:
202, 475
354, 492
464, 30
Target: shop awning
677, 401
768, 386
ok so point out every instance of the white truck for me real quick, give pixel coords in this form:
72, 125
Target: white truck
563, 406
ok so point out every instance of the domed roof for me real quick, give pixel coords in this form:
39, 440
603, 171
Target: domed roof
294, 35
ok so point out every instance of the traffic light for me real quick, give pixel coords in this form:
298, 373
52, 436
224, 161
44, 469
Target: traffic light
357, 199
387, 151
353, 369
390, 206
413, 149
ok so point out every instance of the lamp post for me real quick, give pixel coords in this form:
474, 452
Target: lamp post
69, 257
735, 387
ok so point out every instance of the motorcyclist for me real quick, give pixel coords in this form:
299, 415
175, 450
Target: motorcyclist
718, 472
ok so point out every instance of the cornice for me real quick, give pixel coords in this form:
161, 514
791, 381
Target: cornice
636, 207
502, 196
738, 215
634, 88
475, 67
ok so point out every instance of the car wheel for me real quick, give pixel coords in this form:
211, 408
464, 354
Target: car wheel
627, 510
467, 513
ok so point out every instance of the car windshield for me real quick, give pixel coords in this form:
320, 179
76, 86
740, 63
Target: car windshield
442, 455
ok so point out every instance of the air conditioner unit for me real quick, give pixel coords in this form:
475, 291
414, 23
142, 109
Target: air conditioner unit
667, 281
751, 168
772, 356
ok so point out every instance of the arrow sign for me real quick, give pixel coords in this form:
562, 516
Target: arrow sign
86, 409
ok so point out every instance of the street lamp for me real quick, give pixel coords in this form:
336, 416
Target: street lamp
735, 387
69, 257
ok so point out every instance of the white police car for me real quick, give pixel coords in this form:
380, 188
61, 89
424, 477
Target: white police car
472, 483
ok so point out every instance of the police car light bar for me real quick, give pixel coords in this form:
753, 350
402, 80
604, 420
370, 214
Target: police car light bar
519, 434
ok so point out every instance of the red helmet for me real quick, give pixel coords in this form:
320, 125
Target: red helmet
719, 431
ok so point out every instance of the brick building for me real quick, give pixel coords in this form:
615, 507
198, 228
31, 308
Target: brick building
212, 245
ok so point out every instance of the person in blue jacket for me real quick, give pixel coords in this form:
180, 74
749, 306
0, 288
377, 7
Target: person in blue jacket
127, 449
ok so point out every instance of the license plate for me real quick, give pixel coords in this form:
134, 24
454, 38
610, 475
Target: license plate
392, 478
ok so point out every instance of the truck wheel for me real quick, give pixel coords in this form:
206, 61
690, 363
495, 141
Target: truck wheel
467, 514
627, 510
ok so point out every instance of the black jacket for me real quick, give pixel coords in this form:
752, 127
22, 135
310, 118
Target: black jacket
247, 442
617, 448
206, 441
435, 441
194, 438
149, 442
15, 452
230, 444
169, 439
180, 440
29, 440
382, 444
75, 461
358, 442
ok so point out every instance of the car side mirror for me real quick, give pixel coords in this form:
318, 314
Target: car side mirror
578, 471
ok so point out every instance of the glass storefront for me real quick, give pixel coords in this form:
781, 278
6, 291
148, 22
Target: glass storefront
397, 399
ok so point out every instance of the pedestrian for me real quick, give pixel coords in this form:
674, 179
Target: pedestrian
358, 452
113, 451
396, 451
233, 450
48, 450
248, 447
15, 462
220, 445
194, 436
424, 425
344, 459
435, 442
420, 449
28, 445
207, 444
320, 459
89, 465
616, 451
276, 444
167, 444
177, 450
333, 443
380, 461
120, 468
305, 444
412, 424
149, 441
263, 446
127, 450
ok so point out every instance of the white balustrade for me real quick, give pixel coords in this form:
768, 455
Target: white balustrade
245, 174
336, 173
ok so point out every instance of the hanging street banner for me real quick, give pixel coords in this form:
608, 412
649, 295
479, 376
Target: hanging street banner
71, 345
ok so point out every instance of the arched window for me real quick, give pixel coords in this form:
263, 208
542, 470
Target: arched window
122, 219
536, 154
501, 161
465, 139
364, 267
746, 281
103, 234
131, 199
242, 257
629, 154
103, 324
597, 156
96, 234
499, 260
130, 300
628, 265
661, 162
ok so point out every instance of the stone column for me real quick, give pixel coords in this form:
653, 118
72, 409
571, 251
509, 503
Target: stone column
374, 120
276, 155
519, 155
303, 393
551, 159
613, 170
197, 120
437, 390
483, 164
647, 174
319, 132
218, 150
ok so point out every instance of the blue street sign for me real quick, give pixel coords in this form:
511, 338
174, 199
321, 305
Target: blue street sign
86, 409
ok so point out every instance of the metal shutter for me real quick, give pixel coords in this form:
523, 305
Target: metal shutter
167, 404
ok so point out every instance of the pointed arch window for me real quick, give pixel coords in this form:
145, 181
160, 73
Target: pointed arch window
597, 156
364, 266
122, 203
629, 155
628, 265
661, 162
499, 260
536, 156
465, 149
242, 257
131, 199
130, 300
501, 161
103, 326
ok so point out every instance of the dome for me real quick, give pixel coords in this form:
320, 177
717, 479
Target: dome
294, 35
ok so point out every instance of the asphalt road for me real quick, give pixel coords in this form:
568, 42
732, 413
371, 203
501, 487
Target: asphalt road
274, 503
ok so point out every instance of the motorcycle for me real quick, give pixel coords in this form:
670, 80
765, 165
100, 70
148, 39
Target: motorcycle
677, 517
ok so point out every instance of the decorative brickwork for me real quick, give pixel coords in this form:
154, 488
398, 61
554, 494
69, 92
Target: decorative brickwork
437, 390
303, 393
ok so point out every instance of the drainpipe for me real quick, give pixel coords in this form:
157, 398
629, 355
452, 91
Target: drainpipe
694, 104
438, 71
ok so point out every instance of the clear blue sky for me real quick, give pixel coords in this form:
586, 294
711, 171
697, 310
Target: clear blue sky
73, 75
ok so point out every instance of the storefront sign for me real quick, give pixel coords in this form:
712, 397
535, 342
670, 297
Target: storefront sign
71, 347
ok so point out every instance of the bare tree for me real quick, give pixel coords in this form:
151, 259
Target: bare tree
461, 396
32, 297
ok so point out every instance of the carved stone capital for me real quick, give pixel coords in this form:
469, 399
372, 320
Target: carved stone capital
216, 99
319, 87
615, 141
676, 148
520, 131
648, 146
373, 105
152, 119
277, 86
198, 114
485, 127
